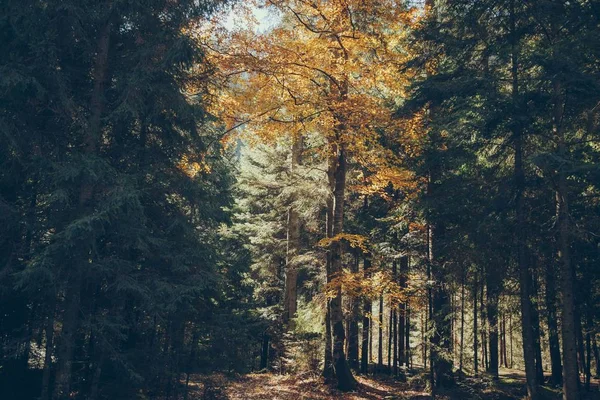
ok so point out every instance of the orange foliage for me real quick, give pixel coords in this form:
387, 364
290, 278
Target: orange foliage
331, 68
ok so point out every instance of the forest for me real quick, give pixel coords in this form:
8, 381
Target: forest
299, 199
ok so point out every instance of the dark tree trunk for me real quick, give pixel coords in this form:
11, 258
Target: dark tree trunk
553, 342
596, 356
353, 323
569, 335
407, 352
395, 336
462, 327
492, 316
264, 354
49, 348
475, 328
519, 177
484, 343
70, 325
402, 309
539, 368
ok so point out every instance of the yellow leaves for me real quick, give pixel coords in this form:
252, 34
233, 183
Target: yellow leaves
379, 282
355, 241
192, 168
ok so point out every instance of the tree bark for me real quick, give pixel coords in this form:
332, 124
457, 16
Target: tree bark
290, 303
475, 344
492, 316
49, 351
519, 177
367, 309
380, 336
62, 384
569, 335
328, 369
345, 380
353, 323
390, 339
553, 342
462, 327
264, 354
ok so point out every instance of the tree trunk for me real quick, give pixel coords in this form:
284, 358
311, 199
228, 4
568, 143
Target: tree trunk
390, 339
588, 348
328, 369
539, 368
345, 380
395, 336
353, 323
492, 316
402, 308
407, 351
462, 327
475, 344
70, 324
264, 354
62, 384
569, 335
484, 352
367, 309
553, 342
596, 356
290, 303
519, 176
49, 351
380, 336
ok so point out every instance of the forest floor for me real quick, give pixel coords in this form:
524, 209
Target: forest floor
269, 386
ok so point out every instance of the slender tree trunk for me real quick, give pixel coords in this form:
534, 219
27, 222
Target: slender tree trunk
328, 369
402, 309
367, 309
441, 338
596, 356
484, 349
553, 342
539, 368
519, 176
569, 336
395, 336
588, 347
492, 315
462, 327
423, 341
290, 303
475, 327
510, 334
501, 340
390, 339
49, 350
580, 345
407, 351
353, 323
380, 336
70, 325
264, 354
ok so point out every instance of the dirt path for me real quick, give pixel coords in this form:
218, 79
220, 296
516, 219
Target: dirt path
286, 387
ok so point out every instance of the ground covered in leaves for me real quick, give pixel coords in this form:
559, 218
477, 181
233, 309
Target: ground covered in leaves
268, 386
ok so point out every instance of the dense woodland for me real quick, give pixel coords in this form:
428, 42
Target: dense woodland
340, 188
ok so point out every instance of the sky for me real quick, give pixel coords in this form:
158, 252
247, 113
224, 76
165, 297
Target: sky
266, 17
